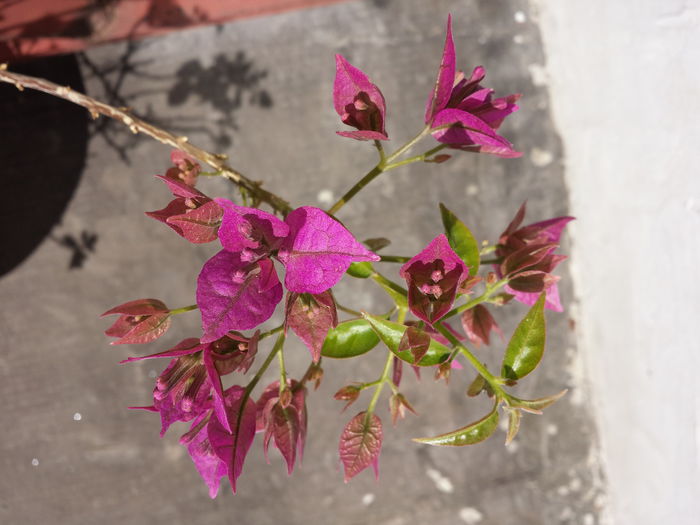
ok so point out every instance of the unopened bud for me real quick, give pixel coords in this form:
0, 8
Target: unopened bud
443, 372
316, 375
491, 279
285, 398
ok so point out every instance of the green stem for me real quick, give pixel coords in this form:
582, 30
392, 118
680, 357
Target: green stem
403, 149
256, 378
417, 158
348, 310
490, 291
384, 164
380, 384
493, 381
270, 332
183, 309
378, 277
283, 372
380, 150
385, 373
364, 181
395, 258
497, 260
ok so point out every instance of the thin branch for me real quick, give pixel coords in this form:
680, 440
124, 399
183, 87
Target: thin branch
136, 125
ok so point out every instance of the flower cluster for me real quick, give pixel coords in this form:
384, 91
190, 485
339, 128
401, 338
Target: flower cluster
239, 288
528, 258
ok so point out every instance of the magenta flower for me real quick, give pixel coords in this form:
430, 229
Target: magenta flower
433, 277
210, 467
191, 214
464, 114
232, 445
251, 232
318, 251
359, 102
184, 388
238, 288
528, 259
236, 295
140, 321
217, 451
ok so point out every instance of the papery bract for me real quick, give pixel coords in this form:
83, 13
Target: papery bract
251, 232
235, 295
360, 444
348, 393
210, 467
232, 447
359, 102
182, 391
191, 214
184, 387
311, 317
462, 113
318, 251
398, 404
140, 321
528, 255
415, 340
478, 324
284, 421
433, 277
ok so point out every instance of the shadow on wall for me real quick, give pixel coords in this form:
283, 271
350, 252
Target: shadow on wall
42, 153
45, 139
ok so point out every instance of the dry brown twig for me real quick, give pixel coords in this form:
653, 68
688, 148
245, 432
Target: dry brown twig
136, 125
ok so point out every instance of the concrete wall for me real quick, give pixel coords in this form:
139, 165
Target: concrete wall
624, 82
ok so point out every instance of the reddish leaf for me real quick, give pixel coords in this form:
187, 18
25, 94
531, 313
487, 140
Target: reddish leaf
397, 371
478, 323
360, 444
397, 406
199, 225
285, 429
232, 447
184, 347
138, 328
415, 340
348, 393
311, 317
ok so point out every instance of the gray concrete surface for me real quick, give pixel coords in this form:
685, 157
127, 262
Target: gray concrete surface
636, 253
70, 450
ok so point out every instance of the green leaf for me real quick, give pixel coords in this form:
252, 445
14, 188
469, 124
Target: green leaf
526, 347
513, 423
469, 435
461, 240
349, 339
476, 386
361, 270
535, 406
391, 333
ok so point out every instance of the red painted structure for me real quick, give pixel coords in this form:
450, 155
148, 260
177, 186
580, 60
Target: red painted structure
30, 28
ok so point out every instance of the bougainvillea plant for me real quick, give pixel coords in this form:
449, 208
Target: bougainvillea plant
206, 377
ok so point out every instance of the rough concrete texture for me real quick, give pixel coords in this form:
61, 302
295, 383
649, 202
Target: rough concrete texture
636, 332
261, 90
